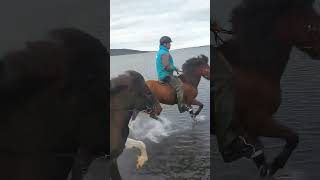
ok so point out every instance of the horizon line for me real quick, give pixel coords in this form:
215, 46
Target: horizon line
156, 50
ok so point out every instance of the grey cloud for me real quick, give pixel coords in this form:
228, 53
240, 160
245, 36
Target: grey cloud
139, 24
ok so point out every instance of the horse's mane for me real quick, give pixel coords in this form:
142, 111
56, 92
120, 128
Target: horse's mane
68, 58
190, 64
123, 81
253, 20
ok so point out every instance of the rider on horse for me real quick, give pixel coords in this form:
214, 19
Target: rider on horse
165, 69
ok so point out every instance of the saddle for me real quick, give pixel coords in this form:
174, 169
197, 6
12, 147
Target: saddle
164, 83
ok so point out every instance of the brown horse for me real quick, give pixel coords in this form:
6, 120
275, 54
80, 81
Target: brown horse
52, 103
265, 31
128, 96
193, 69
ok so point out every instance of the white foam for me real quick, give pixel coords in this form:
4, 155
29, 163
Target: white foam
144, 127
201, 118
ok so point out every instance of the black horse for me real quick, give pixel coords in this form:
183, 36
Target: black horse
53, 96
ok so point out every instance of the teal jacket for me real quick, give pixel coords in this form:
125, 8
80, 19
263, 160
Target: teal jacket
162, 73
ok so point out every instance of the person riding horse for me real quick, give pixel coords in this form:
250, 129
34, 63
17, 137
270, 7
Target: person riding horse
165, 68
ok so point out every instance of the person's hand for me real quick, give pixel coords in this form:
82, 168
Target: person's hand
178, 70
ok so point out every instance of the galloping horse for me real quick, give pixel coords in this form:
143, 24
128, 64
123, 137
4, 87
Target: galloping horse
193, 69
128, 96
52, 103
265, 31
136, 97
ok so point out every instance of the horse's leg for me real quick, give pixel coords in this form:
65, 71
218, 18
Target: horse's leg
268, 127
142, 147
198, 103
115, 174
258, 157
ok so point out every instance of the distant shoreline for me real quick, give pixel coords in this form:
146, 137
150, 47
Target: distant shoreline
119, 52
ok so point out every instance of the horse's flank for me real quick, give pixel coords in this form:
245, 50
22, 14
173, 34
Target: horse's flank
166, 95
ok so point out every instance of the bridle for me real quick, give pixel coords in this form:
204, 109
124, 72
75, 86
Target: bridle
206, 71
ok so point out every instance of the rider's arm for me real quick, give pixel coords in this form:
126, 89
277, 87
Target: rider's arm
165, 61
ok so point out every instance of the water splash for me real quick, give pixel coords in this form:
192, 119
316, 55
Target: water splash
145, 127
201, 118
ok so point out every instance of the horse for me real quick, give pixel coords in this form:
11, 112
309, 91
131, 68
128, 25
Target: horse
265, 31
52, 103
136, 97
193, 69
128, 96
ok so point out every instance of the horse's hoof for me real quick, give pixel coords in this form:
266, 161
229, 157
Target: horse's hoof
264, 171
140, 162
154, 117
272, 169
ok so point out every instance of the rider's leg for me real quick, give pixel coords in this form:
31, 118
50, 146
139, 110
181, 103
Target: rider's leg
224, 100
228, 138
175, 83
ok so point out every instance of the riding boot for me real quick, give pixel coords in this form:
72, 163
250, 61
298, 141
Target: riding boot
177, 85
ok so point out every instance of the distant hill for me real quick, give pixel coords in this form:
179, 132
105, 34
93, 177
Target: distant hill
118, 52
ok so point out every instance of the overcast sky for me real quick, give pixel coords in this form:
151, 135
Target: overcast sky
139, 24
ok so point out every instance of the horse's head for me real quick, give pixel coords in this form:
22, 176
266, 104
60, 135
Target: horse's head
301, 27
198, 66
138, 96
205, 67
